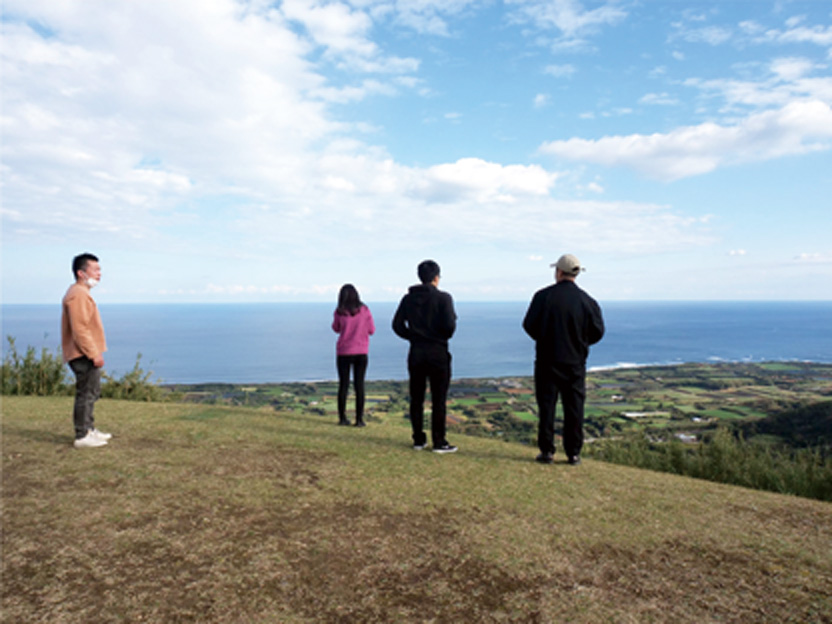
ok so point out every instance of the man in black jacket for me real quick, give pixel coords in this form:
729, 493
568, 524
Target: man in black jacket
564, 321
426, 318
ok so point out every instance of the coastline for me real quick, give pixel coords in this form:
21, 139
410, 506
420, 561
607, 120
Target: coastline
593, 370
282, 343
683, 399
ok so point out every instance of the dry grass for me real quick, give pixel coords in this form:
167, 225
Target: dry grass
202, 514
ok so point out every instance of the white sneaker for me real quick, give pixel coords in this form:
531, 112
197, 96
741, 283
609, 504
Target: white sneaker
89, 441
100, 434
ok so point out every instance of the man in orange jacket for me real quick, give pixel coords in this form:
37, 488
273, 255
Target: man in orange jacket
83, 345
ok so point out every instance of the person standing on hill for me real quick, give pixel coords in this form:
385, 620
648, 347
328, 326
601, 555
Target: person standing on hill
83, 345
354, 325
427, 319
564, 321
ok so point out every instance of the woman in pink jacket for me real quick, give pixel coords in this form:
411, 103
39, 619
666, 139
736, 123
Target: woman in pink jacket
354, 324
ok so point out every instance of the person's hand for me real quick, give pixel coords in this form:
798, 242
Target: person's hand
98, 362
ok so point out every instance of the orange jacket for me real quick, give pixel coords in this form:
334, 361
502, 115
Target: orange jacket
82, 333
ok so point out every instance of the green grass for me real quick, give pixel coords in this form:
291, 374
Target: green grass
722, 414
197, 513
527, 416
779, 366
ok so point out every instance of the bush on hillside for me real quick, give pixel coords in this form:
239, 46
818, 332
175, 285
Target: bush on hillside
134, 385
726, 459
799, 426
48, 376
30, 375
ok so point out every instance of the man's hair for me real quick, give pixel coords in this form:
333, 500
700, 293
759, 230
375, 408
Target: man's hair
79, 263
427, 271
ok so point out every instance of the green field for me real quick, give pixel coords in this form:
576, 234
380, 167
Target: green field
698, 397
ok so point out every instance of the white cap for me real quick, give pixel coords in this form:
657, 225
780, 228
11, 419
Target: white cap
569, 264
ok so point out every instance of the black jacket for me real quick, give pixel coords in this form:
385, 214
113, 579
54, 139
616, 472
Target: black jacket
563, 320
425, 316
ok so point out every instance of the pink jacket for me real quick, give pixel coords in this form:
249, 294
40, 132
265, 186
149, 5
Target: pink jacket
355, 332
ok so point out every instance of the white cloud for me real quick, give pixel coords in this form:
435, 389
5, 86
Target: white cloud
795, 33
711, 35
737, 252
797, 128
486, 181
560, 71
194, 126
786, 80
659, 99
814, 258
540, 100
570, 17
235, 290
790, 69
343, 32
427, 17
333, 25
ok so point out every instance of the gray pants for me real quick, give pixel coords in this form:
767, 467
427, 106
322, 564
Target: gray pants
87, 391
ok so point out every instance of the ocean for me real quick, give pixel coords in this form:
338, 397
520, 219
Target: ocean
283, 342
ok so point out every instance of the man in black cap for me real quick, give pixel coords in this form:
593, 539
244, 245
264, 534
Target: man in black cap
427, 319
564, 321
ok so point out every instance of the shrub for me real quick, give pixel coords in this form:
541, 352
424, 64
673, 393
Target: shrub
725, 458
29, 375
48, 376
132, 386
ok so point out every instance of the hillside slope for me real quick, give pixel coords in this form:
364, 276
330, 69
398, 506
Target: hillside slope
199, 513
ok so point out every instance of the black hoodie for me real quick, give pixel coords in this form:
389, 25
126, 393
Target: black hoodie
425, 316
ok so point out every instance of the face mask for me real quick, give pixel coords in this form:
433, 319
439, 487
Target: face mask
91, 282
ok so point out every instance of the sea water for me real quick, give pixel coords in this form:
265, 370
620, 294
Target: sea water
281, 342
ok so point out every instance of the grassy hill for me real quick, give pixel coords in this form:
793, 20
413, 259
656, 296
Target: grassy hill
205, 513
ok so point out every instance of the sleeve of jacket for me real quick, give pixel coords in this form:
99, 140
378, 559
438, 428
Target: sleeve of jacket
531, 323
596, 323
400, 326
336, 322
371, 323
449, 315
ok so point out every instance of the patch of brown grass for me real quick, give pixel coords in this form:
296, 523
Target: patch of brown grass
246, 516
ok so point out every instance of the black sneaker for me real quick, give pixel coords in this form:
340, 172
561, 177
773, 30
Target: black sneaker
545, 458
574, 460
419, 447
445, 448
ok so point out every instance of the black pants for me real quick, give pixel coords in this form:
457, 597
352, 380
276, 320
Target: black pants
358, 363
87, 391
569, 382
429, 364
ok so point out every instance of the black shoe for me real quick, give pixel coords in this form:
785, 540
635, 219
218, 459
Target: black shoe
574, 460
343, 423
445, 448
545, 458
360, 423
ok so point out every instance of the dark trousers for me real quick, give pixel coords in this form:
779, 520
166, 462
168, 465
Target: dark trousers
87, 391
432, 365
358, 363
567, 381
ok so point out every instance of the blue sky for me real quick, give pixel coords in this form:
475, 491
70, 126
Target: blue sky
221, 151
